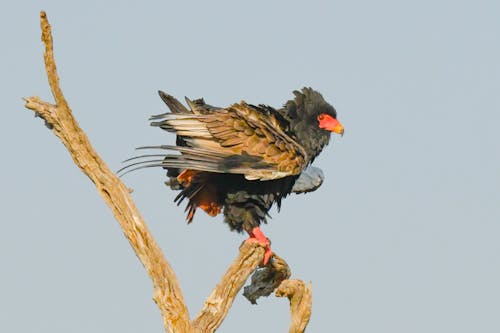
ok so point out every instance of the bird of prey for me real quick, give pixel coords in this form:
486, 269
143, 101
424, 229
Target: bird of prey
242, 159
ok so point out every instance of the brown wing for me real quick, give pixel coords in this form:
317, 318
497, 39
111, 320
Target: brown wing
240, 139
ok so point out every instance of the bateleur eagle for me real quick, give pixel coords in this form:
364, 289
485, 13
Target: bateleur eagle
242, 159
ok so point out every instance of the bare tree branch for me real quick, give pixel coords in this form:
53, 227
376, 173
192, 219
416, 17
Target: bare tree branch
167, 293
220, 300
266, 280
300, 296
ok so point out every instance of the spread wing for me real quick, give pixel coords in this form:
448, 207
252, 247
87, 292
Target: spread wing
240, 139
309, 180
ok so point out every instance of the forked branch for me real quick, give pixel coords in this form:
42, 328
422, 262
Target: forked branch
167, 293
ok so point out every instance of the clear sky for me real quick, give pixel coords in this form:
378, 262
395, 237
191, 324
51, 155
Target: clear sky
403, 236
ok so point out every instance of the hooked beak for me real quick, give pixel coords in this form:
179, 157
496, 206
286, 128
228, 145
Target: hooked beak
331, 124
339, 129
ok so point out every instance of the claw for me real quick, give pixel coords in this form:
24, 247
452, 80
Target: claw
256, 235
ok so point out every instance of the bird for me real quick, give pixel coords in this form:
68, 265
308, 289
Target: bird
241, 160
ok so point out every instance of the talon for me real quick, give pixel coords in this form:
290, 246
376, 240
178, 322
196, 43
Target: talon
267, 255
256, 235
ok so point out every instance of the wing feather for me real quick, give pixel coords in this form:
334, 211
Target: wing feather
240, 139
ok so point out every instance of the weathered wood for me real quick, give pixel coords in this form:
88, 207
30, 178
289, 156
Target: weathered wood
167, 293
220, 300
300, 296
267, 279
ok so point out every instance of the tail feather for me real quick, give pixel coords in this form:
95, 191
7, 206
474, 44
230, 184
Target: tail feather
198, 159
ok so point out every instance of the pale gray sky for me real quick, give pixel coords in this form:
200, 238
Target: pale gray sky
403, 236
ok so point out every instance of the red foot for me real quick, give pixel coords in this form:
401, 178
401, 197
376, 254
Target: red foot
256, 235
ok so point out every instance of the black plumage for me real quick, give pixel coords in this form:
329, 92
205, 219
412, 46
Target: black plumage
243, 159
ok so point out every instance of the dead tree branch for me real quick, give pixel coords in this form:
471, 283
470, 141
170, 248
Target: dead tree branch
167, 293
266, 280
300, 296
220, 300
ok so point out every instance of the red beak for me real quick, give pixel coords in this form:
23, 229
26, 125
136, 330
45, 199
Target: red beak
331, 124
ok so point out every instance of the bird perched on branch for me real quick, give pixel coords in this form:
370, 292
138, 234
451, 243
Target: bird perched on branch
242, 159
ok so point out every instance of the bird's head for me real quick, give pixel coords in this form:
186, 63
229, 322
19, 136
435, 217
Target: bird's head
312, 120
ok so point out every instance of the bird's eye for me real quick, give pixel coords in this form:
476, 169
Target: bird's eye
321, 117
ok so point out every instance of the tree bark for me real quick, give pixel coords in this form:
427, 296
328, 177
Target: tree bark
300, 297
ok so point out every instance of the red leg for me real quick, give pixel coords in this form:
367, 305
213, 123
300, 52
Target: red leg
256, 235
